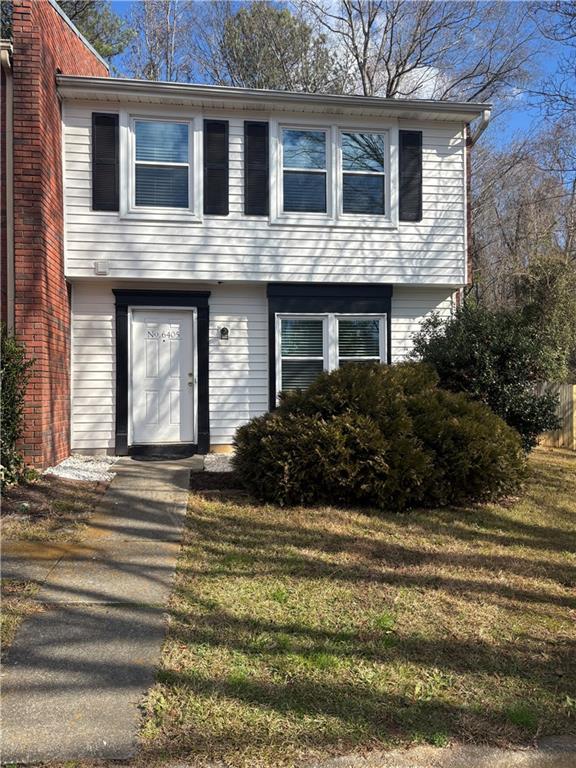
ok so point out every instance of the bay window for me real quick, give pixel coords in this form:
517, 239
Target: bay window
161, 164
310, 344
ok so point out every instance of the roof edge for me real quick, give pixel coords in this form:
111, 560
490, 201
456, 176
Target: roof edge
159, 88
79, 34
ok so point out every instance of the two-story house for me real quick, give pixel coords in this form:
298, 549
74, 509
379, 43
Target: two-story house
225, 244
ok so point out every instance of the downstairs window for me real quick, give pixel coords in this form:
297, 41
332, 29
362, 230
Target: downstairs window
309, 344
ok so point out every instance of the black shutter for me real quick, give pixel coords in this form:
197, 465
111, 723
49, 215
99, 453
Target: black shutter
410, 173
255, 168
216, 167
105, 157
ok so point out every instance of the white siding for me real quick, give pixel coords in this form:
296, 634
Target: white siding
238, 368
93, 368
409, 307
243, 248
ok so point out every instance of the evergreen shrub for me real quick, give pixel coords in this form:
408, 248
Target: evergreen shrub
380, 436
14, 375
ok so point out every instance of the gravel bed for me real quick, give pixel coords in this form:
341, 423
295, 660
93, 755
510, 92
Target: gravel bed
218, 462
94, 468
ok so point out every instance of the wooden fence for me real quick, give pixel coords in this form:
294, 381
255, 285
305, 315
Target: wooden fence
565, 437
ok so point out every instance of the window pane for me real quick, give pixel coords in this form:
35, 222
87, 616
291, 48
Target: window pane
158, 186
304, 149
161, 142
298, 374
351, 361
304, 191
363, 194
362, 152
302, 338
359, 338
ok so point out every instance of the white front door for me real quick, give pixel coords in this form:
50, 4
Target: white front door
162, 376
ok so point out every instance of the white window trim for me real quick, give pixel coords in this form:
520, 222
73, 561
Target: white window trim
334, 217
128, 207
295, 216
358, 219
330, 338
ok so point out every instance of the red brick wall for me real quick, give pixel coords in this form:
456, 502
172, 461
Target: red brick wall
44, 44
3, 234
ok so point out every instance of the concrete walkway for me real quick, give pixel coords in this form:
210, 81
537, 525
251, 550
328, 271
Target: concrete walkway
78, 669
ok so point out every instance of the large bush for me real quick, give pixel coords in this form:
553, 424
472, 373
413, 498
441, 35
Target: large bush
380, 436
14, 375
498, 357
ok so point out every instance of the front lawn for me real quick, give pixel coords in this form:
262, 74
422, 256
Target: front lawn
301, 633
48, 509
17, 604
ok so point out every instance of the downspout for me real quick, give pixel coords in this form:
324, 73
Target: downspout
471, 139
5, 54
481, 127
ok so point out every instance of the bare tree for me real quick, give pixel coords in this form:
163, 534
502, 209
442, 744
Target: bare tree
556, 21
161, 50
524, 202
251, 44
431, 48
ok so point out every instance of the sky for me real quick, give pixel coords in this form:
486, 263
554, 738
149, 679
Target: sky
519, 116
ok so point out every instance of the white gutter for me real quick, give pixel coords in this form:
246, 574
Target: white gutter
77, 87
5, 54
481, 127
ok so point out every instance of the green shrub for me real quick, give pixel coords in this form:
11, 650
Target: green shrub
380, 436
498, 358
14, 376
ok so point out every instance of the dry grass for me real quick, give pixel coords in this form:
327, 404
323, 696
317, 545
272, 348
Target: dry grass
308, 632
48, 509
17, 604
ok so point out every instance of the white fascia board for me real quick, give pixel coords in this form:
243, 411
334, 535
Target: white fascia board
214, 96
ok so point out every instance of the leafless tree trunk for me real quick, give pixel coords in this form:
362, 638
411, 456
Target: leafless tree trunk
524, 202
161, 50
431, 48
556, 21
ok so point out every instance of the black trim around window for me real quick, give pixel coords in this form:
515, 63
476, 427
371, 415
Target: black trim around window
355, 299
160, 299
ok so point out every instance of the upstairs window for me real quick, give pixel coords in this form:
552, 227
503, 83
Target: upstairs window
363, 175
304, 170
162, 164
